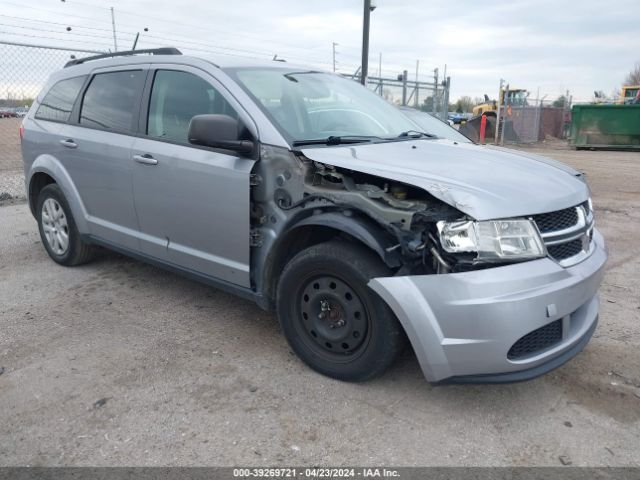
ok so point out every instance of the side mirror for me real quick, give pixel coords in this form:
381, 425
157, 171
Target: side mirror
218, 131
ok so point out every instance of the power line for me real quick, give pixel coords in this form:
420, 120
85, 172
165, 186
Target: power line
52, 12
189, 25
56, 23
186, 42
53, 31
179, 39
146, 17
46, 37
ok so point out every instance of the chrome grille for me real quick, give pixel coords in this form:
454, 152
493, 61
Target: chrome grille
567, 233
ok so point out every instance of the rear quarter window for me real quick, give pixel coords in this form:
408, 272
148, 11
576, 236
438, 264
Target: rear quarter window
58, 102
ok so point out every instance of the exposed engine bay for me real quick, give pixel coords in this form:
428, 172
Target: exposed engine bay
288, 189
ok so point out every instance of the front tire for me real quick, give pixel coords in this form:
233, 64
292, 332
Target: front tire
58, 230
332, 320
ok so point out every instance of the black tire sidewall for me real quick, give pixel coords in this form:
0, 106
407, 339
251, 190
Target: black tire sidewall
355, 266
55, 192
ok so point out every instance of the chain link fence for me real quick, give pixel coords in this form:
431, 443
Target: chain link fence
529, 122
24, 71
431, 97
533, 122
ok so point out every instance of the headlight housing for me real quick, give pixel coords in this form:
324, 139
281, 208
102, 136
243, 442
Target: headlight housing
493, 240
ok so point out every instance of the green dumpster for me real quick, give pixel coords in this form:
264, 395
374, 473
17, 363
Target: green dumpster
605, 126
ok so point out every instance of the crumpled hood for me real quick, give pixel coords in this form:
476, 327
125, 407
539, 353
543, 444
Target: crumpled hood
481, 181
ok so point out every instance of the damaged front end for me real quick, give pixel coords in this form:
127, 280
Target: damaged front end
408, 227
462, 327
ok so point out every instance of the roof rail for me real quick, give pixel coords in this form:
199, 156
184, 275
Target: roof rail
151, 51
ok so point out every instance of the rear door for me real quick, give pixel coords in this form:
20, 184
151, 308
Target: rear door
192, 202
49, 127
98, 154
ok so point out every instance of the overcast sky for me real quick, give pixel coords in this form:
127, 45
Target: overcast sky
553, 45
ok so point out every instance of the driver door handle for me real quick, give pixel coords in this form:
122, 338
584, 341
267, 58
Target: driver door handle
145, 159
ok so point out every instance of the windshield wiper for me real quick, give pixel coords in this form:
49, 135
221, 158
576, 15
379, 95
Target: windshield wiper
336, 140
416, 134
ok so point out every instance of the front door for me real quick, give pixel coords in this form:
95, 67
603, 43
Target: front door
192, 202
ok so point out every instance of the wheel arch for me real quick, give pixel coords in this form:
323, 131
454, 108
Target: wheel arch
38, 181
316, 229
47, 169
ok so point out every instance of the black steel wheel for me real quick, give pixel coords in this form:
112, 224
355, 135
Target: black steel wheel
331, 318
335, 320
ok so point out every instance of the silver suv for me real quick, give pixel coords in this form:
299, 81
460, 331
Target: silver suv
310, 195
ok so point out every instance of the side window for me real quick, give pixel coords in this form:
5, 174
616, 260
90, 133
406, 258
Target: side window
176, 97
109, 102
58, 102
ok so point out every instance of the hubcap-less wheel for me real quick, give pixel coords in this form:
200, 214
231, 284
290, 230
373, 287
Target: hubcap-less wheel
55, 226
333, 320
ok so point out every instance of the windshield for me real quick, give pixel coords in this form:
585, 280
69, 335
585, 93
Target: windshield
518, 98
313, 105
430, 124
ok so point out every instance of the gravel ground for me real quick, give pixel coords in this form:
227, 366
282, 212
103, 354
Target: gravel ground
12, 188
119, 363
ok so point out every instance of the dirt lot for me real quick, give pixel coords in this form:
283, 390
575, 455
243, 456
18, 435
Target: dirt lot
11, 175
119, 363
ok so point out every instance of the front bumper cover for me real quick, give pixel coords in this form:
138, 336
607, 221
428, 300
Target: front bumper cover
462, 325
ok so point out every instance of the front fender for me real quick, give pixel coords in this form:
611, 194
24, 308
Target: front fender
51, 166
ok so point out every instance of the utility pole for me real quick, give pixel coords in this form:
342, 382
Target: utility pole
365, 42
538, 113
498, 113
435, 91
506, 111
447, 88
416, 101
380, 73
113, 26
405, 74
334, 56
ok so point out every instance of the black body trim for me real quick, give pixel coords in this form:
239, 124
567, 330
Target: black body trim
223, 285
529, 374
358, 228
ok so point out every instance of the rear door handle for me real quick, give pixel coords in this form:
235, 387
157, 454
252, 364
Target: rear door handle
68, 143
145, 159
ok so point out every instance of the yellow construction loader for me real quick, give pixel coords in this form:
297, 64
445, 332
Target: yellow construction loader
516, 97
630, 94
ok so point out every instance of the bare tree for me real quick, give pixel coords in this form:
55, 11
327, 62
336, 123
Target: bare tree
464, 104
634, 76
560, 102
427, 104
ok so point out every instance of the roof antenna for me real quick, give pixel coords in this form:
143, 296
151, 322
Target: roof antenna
135, 42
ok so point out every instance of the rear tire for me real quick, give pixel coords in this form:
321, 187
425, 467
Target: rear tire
332, 320
58, 230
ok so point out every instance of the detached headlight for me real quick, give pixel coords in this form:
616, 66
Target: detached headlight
493, 240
